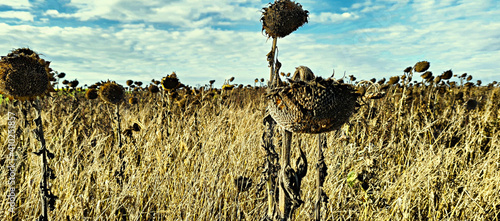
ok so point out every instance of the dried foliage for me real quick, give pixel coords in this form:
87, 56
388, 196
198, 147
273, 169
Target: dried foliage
423, 151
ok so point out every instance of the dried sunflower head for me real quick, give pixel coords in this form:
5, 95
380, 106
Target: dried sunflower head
153, 89
129, 82
393, 80
422, 66
426, 75
24, 75
111, 92
170, 82
227, 87
91, 94
447, 75
282, 18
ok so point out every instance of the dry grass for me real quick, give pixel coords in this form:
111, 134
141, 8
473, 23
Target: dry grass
418, 158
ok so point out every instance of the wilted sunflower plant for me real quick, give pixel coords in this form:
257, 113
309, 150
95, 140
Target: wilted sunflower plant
24, 76
280, 19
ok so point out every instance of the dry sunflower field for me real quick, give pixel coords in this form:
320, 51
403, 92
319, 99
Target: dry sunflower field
414, 147
419, 151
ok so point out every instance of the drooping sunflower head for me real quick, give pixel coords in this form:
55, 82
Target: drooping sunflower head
111, 92
91, 94
170, 82
282, 18
422, 66
24, 75
153, 89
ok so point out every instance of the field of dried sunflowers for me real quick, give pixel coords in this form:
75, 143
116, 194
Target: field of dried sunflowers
422, 150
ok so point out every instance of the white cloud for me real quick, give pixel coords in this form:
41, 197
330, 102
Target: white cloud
372, 8
142, 52
328, 17
189, 13
16, 4
21, 15
198, 53
428, 11
55, 14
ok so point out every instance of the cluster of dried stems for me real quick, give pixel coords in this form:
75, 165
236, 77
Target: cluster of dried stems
422, 151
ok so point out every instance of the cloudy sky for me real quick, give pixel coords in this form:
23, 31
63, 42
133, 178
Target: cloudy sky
93, 40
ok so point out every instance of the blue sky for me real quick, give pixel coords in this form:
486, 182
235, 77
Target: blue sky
93, 40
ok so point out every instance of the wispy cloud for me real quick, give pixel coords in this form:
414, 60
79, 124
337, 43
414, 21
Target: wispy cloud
148, 39
190, 13
328, 17
17, 4
21, 15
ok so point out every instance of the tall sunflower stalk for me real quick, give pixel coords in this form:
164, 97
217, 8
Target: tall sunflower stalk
24, 76
113, 93
169, 84
280, 19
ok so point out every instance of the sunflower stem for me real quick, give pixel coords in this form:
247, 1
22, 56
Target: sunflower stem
284, 200
321, 166
119, 137
271, 58
43, 151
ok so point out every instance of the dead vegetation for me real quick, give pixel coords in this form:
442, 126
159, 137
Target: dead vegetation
424, 150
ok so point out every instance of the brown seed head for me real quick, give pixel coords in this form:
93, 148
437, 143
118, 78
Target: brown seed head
153, 89
393, 80
91, 94
422, 66
282, 18
381, 81
447, 75
170, 82
73, 83
24, 75
437, 79
469, 84
426, 75
408, 69
130, 82
111, 92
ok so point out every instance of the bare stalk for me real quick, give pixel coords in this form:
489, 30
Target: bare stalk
47, 198
322, 173
284, 200
270, 59
119, 137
